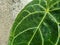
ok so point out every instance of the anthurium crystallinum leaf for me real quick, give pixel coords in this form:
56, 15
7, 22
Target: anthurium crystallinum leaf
37, 24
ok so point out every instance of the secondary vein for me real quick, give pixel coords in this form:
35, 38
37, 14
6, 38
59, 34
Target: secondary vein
54, 4
41, 36
37, 28
58, 35
25, 18
53, 17
21, 33
55, 9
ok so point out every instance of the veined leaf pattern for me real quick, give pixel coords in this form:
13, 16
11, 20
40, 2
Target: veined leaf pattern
37, 24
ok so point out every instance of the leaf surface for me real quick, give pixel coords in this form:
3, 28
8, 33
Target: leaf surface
37, 24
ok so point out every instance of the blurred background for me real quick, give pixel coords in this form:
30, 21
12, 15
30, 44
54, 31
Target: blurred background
8, 12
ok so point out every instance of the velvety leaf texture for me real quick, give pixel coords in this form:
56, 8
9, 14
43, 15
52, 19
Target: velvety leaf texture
37, 24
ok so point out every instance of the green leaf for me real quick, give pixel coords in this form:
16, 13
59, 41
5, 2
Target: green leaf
37, 24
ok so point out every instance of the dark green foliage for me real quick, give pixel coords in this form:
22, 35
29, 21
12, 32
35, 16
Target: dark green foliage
37, 24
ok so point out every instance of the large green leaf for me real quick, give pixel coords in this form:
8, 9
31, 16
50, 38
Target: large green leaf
37, 24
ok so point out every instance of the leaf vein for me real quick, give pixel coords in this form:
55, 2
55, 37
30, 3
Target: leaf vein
25, 18
21, 33
37, 28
